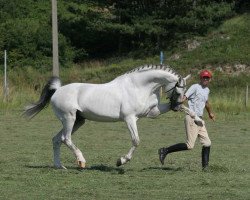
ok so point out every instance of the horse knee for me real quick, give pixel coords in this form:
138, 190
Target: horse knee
67, 141
136, 142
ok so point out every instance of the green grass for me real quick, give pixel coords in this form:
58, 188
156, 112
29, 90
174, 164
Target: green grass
26, 160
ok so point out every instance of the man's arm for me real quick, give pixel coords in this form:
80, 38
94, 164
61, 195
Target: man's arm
209, 110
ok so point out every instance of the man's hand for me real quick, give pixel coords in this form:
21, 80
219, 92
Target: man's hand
211, 116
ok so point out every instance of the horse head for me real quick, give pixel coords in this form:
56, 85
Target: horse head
176, 93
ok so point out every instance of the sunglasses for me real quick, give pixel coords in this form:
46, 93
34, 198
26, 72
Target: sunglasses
206, 78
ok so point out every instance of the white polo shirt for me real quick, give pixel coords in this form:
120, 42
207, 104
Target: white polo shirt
197, 97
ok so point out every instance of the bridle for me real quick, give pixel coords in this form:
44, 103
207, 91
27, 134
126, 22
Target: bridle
173, 98
175, 86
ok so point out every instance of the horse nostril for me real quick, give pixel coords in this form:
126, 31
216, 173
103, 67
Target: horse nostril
176, 107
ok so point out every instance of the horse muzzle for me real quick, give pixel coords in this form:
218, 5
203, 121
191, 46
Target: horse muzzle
175, 106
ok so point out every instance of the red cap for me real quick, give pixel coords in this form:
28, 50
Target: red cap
205, 73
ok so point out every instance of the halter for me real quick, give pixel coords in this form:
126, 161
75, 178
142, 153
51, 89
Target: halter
172, 101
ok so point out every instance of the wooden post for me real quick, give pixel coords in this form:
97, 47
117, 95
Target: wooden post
161, 61
55, 39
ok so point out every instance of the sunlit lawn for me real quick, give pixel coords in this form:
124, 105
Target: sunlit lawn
26, 167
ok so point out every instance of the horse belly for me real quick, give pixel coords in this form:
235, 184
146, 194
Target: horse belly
100, 108
100, 118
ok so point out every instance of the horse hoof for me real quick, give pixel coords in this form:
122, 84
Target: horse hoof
81, 164
119, 162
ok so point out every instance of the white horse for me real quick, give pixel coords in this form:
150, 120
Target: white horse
127, 98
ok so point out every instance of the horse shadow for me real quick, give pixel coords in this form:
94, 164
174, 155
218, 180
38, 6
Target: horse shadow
108, 169
102, 168
105, 168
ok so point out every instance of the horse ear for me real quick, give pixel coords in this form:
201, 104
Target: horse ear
187, 77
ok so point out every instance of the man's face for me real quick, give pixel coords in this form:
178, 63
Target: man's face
205, 81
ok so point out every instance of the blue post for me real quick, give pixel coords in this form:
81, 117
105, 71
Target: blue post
161, 57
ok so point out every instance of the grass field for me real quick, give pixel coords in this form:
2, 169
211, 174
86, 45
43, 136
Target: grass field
26, 170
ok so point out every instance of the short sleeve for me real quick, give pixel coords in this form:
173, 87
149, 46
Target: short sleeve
190, 91
208, 94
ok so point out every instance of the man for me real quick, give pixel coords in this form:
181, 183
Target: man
197, 96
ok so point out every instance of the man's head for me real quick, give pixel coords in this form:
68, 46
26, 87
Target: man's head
205, 77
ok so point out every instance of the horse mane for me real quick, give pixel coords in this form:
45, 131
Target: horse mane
154, 67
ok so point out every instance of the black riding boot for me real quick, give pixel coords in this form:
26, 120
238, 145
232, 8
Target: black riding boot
163, 152
205, 157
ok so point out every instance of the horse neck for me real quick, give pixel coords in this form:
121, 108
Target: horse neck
153, 79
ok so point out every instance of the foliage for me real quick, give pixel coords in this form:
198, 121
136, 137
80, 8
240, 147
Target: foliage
94, 29
26, 34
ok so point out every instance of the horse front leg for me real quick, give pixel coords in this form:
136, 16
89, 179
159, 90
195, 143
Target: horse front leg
158, 110
131, 124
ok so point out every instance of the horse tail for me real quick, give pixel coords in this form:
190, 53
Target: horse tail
49, 89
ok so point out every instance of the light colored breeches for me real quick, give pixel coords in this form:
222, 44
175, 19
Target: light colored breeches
192, 131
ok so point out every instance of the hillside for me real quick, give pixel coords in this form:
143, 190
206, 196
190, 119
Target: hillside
225, 51
226, 46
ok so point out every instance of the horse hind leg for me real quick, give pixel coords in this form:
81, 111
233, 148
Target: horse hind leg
79, 121
57, 141
71, 122
79, 156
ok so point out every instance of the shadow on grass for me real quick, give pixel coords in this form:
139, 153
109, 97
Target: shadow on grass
119, 170
39, 166
102, 168
105, 168
216, 168
170, 169
210, 169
